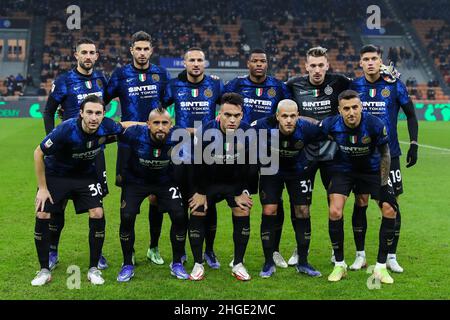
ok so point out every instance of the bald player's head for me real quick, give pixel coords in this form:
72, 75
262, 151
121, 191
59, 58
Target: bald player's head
287, 116
159, 124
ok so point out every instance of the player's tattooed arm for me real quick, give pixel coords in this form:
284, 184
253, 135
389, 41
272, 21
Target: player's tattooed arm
385, 163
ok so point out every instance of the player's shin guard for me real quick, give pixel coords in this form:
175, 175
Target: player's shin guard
241, 235
398, 224
96, 239
41, 240
178, 238
278, 227
386, 238
336, 231
267, 237
126, 233
211, 227
359, 223
55, 226
303, 237
155, 219
197, 235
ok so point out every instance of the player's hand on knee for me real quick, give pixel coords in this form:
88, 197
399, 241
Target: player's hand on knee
244, 201
411, 157
387, 195
41, 197
196, 201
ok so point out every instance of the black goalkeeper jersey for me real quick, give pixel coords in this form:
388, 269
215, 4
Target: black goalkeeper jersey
320, 101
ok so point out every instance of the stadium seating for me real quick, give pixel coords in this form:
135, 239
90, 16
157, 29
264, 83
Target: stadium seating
286, 32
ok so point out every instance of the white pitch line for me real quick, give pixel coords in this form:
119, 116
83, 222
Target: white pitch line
428, 146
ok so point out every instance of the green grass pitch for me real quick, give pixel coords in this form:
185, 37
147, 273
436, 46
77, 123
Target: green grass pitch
423, 250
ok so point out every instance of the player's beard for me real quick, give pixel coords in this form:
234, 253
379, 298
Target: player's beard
159, 136
196, 76
140, 63
86, 68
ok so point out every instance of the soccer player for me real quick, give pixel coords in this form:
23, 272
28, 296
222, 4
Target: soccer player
141, 87
195, 96
148, 171
316, 95
361, 165
226, 177
261, 96
65, 168
68, 91
383, 96
294, 134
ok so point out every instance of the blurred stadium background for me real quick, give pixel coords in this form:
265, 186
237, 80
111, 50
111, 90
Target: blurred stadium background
36, 45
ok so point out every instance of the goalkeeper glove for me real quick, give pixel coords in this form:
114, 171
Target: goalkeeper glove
411, 157
389, 73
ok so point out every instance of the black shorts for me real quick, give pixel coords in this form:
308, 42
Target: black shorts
219, 192
169, 197
123, 154
86, 193
100, 167
325, 172
395, 175
299, 189
359, 183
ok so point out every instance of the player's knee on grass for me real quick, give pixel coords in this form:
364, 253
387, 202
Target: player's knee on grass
43, 215
362, 200
388, 212
96, 213
270, 209
302, 212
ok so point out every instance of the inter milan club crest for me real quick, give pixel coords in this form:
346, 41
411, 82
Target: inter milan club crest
315, 93
353, 139
328, 90
194, 93
385, 92
259, 92
99, 83
88, 84
208, 93
142, 77
156, 153
372, 93
299, 145
272, 93
366, 140
155, 77
102, 140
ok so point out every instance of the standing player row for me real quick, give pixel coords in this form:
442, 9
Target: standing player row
142, 87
